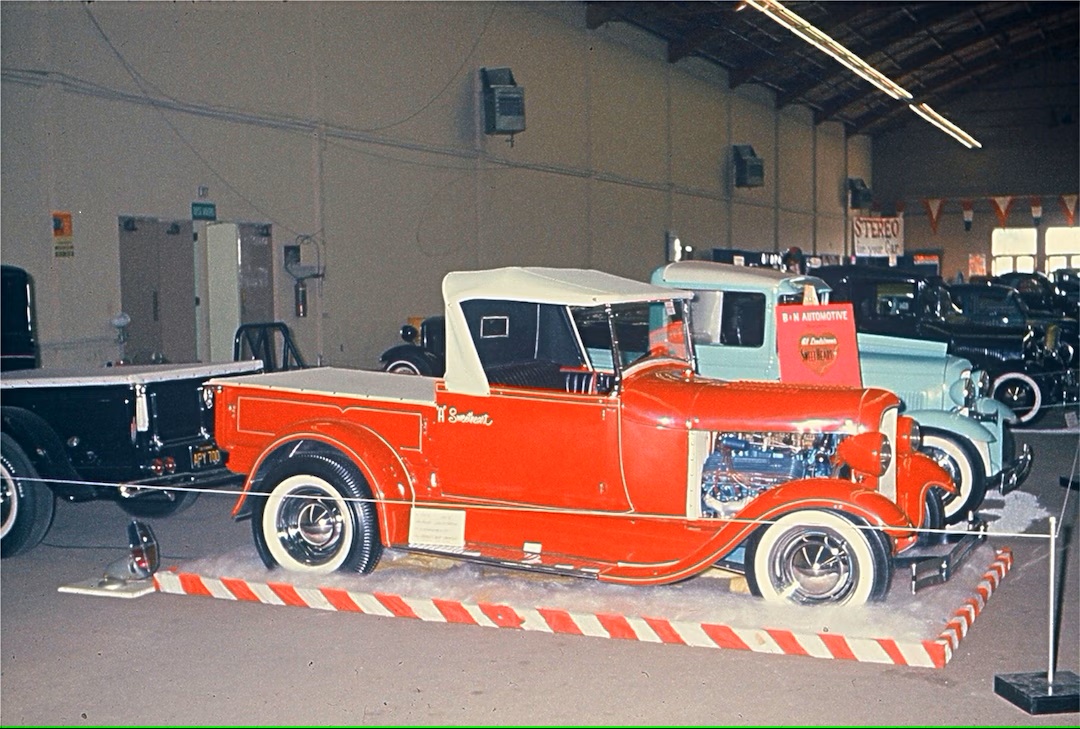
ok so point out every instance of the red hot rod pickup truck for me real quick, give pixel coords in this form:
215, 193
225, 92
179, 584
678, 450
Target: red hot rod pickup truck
571, 434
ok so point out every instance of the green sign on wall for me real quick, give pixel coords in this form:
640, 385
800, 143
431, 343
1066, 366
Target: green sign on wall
203, 211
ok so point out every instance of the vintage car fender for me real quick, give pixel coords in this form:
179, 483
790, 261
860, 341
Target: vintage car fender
916, 474
386, 474
985, 441
417, 356
826, 493
989, 407
46, 452
957, 423
800, 495
725, 536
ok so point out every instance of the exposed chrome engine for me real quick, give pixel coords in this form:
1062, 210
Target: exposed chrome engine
742, 465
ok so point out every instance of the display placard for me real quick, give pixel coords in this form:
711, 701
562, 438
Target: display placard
816, 345
878, 236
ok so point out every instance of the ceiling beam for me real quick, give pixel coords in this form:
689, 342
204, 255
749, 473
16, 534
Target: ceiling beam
766, 63
945, 85
928, 57
915, 18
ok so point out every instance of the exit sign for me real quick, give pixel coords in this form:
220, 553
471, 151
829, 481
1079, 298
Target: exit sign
203, 211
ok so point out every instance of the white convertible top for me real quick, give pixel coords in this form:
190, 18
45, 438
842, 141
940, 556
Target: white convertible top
560, 286
567, 286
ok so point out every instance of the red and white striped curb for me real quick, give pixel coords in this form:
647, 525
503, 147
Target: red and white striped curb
960, 623
931, 653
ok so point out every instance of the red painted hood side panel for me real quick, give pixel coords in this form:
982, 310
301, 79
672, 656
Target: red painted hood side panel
670, 397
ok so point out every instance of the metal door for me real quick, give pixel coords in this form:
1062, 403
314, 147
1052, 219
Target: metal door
157, 289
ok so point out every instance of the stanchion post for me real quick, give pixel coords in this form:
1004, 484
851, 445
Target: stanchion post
1051, 605
1052, 692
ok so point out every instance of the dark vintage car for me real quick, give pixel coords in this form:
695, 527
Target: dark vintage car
424, 350
1001, 305
1067, 289
1028, 366
1039, 293
18, 341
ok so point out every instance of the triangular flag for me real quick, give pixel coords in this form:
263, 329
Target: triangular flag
933, 210
969, 213
1068, 204
1001, 207
1036, 210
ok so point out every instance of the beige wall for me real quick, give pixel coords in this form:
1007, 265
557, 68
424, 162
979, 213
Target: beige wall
359, 123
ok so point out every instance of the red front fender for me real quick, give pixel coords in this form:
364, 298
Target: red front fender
916, 474
827, 493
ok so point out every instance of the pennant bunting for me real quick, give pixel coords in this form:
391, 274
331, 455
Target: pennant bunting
1036, 210
1002, 205
933, 210
1068, 204
969, 213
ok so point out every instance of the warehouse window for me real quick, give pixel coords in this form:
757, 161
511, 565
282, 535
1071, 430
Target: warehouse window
1062, 249
1013, 249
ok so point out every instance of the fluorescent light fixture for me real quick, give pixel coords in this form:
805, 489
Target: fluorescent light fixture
945, 125
823, 42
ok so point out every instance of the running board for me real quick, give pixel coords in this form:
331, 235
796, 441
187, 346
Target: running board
935, 564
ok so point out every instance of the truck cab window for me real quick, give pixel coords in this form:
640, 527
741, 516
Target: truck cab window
742, 319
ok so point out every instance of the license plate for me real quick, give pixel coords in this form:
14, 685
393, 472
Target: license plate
205, 456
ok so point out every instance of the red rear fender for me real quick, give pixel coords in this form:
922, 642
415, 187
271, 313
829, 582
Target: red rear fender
386, 473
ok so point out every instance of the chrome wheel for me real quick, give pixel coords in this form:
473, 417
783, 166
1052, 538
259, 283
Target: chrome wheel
1021, 394
26, 503
815, 557
318, 516
815, 565
305, 524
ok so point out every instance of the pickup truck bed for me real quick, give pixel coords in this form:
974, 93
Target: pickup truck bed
141, 435
367, 384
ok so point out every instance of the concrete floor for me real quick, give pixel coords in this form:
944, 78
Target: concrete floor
171, 659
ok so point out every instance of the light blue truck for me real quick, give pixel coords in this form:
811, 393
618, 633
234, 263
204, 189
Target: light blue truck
733, 316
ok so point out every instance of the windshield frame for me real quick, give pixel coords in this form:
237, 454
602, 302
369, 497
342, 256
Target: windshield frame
668, 339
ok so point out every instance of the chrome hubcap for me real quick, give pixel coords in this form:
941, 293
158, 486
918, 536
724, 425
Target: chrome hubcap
814, 565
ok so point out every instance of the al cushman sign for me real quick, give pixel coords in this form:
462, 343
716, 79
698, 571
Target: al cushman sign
878, 236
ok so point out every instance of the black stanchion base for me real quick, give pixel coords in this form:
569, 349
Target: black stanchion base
1035, 695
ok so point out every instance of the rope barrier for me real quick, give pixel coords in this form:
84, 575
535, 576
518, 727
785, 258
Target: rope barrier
953, 531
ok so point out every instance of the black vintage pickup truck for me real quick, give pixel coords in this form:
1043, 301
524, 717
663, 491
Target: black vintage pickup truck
141, 435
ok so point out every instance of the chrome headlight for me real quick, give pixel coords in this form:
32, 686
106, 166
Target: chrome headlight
909, 434
869, 453
973, 384
961, 389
